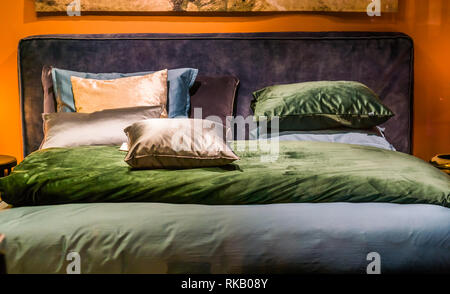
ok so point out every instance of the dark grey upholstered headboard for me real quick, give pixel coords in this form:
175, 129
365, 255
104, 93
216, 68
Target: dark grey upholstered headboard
383, 61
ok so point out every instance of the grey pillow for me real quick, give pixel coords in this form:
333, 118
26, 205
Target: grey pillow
70, 129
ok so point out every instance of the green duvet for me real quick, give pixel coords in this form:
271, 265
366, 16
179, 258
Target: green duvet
303, 172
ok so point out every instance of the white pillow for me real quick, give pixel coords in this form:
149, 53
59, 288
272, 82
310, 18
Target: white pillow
373, 137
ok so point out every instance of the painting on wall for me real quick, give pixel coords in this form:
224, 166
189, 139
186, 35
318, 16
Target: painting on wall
92, 6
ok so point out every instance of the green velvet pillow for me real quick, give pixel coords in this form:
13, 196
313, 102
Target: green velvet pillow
321, 105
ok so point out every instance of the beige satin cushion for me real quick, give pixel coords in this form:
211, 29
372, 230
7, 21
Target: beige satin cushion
96, 95
177, 143
70, 129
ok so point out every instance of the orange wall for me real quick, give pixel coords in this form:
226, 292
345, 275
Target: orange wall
427, 21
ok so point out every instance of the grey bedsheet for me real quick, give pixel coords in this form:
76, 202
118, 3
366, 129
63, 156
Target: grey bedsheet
276, 238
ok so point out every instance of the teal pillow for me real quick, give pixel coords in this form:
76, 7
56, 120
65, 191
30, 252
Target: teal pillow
179, 80
321, 105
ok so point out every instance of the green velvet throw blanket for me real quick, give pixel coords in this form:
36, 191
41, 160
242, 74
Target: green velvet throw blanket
303, 172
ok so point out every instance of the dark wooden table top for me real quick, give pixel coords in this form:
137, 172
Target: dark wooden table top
7, 161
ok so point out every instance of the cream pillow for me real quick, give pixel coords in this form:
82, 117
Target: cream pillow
70, 129
177, 143
95, 95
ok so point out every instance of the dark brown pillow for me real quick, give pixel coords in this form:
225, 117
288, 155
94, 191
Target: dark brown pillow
214, 95
47, 86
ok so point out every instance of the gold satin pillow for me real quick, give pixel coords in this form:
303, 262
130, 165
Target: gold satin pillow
177, 143
96, 95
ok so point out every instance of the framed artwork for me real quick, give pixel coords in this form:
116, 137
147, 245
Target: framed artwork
123, 6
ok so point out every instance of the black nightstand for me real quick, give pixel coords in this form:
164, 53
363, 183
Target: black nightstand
442, 162
6, 164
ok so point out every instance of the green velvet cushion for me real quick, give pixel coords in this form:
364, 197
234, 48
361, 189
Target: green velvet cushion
321, 105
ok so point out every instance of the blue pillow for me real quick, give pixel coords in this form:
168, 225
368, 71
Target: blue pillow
180, 81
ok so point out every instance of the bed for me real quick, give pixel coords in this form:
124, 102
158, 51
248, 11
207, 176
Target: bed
321, 208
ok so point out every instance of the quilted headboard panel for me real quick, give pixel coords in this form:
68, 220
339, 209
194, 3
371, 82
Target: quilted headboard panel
383, 61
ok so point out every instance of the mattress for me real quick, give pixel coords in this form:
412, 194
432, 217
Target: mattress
183, 238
